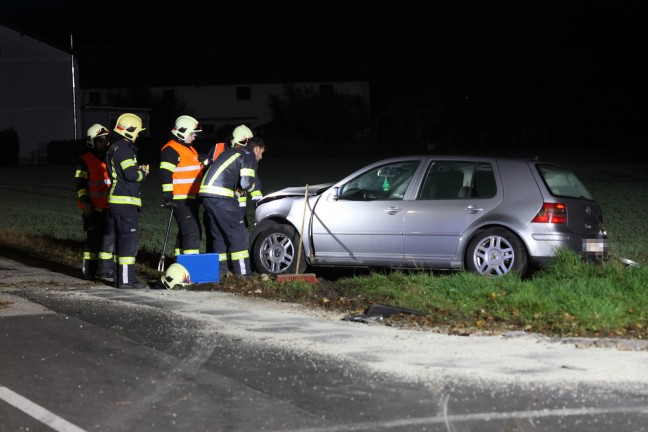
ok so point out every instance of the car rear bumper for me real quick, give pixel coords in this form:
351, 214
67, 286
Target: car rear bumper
545, 246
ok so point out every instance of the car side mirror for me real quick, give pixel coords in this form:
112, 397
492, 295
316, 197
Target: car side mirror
336, 193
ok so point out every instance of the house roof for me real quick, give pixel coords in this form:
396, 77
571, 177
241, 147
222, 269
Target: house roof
36, 36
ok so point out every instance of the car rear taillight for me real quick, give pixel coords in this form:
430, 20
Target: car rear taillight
554, 213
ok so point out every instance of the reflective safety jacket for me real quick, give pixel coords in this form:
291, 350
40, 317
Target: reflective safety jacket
241, 195
180, 170
234, 168
125, 174
92, 181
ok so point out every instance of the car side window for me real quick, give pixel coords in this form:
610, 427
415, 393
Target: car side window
384, 182
458, 180
483, 182
443, 180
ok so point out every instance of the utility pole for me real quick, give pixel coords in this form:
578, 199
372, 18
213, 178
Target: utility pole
74, 104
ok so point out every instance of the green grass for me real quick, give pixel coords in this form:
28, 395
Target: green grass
569, 298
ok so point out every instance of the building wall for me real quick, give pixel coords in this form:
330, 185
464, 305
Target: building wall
36, 93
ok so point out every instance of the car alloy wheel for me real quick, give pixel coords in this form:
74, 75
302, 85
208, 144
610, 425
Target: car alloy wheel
496, 252
275, 250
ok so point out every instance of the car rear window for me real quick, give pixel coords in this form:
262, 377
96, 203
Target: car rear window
562, 182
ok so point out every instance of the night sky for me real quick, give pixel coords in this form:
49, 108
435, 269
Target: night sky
568, 65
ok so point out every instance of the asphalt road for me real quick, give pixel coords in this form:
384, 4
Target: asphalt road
79, 356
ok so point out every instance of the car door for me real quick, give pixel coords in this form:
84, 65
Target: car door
453, 196
360, 222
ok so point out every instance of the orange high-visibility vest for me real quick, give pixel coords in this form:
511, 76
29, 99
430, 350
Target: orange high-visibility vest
98, 181
218, 149
188, 173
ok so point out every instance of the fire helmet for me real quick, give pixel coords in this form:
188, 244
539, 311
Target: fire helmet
185, 125
241, 135
129, 126
176, 276
95, 131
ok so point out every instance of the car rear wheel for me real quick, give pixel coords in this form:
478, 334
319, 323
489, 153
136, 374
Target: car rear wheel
275, 250
496, 252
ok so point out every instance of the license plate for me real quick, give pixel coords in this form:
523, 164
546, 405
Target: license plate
595, 246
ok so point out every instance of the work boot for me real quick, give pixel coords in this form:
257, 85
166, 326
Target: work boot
106, 270
105, 274
88, 269
135, 284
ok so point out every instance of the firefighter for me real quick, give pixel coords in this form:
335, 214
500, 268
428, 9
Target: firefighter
253, 195
211, 156
125, 201
93, 186
180, 173
242, 195
235, 168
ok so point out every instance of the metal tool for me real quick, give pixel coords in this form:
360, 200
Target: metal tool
306, 277
166, 239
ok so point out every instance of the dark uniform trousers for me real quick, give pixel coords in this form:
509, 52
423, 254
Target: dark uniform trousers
228, 235
126, 219
99, 244
187, 215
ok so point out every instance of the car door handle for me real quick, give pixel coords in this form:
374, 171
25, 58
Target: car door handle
393, 210
473, 209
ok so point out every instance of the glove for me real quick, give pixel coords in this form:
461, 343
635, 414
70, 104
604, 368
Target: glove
87, 209
144, 169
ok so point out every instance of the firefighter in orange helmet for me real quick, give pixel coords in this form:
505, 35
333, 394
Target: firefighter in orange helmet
93, 186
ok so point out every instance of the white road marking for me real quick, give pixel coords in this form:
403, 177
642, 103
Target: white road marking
38, 412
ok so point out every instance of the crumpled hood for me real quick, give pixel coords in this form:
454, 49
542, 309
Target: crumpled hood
297, 191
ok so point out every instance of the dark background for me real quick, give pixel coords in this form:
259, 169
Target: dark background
548, 75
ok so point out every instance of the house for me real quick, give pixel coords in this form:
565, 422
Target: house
38, 94
216, 106
40, 97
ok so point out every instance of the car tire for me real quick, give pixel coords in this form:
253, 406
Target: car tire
275, 250
496, 252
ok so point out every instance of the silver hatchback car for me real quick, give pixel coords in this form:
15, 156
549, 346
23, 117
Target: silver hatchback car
488, 215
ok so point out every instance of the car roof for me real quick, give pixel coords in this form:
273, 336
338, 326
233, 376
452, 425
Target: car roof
461, 157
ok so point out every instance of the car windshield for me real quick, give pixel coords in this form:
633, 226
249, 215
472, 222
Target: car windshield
562, 182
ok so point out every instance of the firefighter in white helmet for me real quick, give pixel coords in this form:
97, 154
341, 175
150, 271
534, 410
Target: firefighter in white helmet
125, 200
235, 168
240, 135
93, 186
180, 174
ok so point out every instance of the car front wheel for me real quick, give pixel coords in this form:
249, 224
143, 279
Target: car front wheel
496, 252
275, 250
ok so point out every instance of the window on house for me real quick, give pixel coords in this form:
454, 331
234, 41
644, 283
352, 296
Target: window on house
95, 98
168, 95
243, 93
